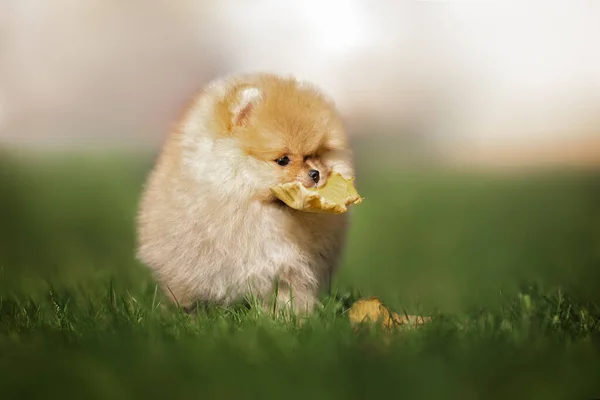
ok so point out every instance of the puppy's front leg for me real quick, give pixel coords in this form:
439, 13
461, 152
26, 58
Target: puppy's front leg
290, 297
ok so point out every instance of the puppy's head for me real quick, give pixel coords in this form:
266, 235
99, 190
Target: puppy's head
285, 130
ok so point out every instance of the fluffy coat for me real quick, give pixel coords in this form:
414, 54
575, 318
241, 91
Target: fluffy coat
208, 225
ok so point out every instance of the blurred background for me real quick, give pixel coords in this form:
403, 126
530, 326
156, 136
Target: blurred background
490, 83
430, 91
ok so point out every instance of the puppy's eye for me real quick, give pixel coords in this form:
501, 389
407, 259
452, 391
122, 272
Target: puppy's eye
283, 161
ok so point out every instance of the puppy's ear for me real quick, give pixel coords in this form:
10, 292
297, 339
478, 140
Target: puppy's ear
242, 103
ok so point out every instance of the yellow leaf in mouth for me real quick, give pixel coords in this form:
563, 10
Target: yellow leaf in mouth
333, 197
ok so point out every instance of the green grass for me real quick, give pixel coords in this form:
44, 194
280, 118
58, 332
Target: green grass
508, 265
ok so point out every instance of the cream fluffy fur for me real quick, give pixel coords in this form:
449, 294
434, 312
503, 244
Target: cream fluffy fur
208, 226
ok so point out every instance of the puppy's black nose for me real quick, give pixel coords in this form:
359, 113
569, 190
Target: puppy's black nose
314, 175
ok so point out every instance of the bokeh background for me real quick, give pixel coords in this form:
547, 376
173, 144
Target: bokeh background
476, 127
479, 82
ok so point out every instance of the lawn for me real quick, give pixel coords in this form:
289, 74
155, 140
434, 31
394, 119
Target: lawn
507, 264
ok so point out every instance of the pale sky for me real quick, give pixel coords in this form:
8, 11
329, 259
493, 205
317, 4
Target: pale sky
484, 71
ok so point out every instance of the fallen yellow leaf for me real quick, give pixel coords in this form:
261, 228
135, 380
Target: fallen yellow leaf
410, 320
372, 310
333, 197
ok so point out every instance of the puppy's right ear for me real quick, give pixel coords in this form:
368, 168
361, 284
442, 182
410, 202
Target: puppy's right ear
241, 104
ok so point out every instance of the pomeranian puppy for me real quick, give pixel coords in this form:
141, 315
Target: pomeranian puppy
209, 227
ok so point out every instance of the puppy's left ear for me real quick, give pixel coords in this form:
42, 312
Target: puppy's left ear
242, 104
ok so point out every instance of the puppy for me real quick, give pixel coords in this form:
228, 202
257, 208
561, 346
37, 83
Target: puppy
209, 227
